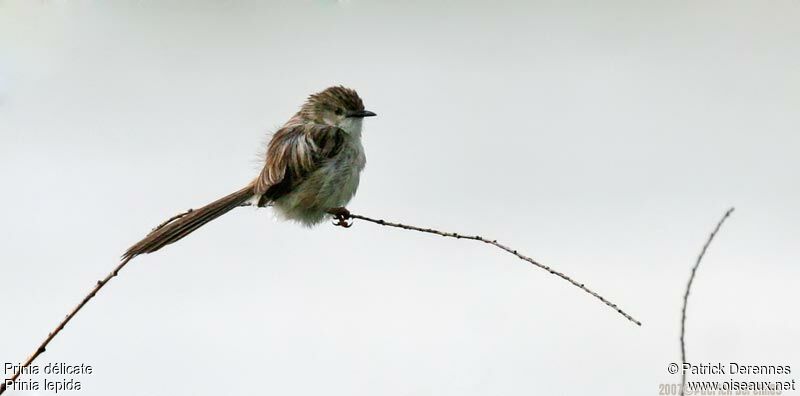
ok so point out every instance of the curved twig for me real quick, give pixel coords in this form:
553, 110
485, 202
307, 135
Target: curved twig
689, 287
43, 346
100, 283
494, 242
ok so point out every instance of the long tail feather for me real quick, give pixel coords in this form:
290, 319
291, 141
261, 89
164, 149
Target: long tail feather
182, 226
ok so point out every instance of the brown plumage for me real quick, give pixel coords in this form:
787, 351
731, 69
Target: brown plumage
183, 226
312, 166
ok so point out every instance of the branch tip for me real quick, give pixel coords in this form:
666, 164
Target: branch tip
499, 246
688, 289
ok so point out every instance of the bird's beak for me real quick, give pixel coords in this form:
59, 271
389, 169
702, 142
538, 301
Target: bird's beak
361, 114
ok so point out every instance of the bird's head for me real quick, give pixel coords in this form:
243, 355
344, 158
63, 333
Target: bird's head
336, 106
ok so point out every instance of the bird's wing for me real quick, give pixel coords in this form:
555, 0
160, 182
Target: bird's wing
293, 153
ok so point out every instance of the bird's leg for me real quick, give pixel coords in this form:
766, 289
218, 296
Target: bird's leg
341, 215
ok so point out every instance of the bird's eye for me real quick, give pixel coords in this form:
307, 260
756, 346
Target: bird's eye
339, 111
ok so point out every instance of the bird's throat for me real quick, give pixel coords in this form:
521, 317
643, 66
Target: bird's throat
352, 126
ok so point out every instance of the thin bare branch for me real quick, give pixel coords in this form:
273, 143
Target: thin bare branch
494, 242
689, 287
42, 347
100, 283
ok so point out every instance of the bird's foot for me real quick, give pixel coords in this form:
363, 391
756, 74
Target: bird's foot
341, 216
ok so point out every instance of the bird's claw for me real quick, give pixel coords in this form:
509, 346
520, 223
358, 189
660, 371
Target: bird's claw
341, 217
342, 222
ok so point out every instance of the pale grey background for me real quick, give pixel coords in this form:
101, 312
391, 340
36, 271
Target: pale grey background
603, 138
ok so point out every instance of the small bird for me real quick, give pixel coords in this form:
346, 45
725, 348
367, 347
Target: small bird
312, 169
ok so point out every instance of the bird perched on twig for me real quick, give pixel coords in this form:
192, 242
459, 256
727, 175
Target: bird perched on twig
312, 169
